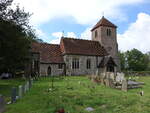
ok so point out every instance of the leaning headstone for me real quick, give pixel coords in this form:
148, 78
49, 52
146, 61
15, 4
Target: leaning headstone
2, 104
20, 91
13, 95
124, 85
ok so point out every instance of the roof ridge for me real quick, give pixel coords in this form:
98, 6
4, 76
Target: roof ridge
80, 39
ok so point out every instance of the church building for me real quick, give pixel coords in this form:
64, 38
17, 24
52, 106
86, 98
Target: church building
78, 56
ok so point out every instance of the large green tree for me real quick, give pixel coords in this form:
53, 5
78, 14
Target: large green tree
134, 60
16, 36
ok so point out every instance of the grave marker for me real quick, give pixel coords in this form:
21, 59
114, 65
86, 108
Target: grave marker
13, 95
2, 104
20, 92
124, 85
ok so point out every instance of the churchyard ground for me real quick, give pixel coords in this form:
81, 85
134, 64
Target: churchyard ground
75, 94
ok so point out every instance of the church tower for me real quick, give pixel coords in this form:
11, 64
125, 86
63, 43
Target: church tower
105, 32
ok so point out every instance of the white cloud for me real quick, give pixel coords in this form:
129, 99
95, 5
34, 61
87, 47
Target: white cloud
83, 11
40, 34
57, 36
86, 34
71, 35
137, 35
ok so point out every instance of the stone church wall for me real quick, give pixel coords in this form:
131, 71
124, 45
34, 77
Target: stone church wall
82, 65
55, 71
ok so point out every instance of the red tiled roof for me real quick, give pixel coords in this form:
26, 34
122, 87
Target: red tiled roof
104, 22
82, 47
49, 53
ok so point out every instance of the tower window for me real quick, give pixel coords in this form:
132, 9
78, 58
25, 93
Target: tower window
95, 33
88, 63
108, 32
75, 63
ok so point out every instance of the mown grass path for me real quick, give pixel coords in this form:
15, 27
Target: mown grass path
74, 94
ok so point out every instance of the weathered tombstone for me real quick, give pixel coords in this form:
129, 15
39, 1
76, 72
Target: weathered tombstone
27, 85
124, 85
112, 76
111, 83
107, 82
102, 81
23, 89
13, 95
2, 104
30, 84
120, 77
20, 92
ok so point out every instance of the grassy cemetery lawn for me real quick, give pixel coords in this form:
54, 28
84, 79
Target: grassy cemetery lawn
7, 84
75, 94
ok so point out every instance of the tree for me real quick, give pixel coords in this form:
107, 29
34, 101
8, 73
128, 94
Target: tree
136, 60
16, 36
122, 60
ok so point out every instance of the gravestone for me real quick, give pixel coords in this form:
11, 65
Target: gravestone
20, 92
124, 85
120, 77
111, 83
13, 95
23, 89
27, 86
102, 81
30, 84
107, 82
2, 104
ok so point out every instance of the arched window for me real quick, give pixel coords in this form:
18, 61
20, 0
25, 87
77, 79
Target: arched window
49, 71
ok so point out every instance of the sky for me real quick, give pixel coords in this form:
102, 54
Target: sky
53, 19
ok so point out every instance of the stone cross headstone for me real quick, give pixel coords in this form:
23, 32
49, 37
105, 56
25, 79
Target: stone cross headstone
2, 104
20, 92
124, 86
13, 95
